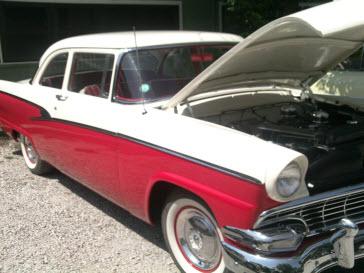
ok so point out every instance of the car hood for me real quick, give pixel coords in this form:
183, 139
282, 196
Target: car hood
289, 51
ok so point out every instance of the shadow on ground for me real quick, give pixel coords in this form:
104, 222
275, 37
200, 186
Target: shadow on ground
151, 233
148, 232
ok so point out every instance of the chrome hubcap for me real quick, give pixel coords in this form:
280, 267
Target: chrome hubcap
30, 151
198, 239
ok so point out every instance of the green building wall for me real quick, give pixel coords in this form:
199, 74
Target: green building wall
202, 15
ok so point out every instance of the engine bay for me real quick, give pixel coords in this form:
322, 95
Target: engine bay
331, 136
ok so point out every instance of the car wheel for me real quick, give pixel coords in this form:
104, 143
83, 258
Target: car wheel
191, 235
31, 157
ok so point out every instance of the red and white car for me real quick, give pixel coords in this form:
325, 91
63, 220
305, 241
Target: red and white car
244, 166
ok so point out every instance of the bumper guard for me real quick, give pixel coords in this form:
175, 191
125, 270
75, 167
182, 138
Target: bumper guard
342, 248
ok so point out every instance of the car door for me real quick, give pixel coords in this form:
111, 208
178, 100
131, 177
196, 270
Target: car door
46, 89
88, 150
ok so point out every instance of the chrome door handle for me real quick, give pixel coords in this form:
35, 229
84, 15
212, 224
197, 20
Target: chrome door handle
61, 97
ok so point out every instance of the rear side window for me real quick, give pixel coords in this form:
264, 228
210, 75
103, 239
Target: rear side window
91, 74
53, 75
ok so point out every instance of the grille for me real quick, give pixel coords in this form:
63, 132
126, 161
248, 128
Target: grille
323, 214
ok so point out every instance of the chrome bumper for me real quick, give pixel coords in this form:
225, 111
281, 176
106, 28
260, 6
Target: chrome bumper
342, 248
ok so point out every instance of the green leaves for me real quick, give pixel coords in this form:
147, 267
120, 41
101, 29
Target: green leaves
251, 15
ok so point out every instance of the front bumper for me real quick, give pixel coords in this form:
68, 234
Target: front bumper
342, 248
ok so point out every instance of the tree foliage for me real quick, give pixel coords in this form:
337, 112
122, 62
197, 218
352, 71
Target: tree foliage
254, 14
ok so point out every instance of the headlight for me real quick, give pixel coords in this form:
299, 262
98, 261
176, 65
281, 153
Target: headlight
289, 180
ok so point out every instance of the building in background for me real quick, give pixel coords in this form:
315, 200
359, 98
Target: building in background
28, 27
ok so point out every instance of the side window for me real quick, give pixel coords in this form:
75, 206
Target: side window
91, 74
53, 75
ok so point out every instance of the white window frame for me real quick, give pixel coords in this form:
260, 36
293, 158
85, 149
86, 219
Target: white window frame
42, 68
72, 51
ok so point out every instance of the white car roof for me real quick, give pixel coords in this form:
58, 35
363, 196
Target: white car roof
121, 40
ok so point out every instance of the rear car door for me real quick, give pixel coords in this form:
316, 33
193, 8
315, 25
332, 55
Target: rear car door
88, 150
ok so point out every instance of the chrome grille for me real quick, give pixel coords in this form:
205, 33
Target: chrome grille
321, 214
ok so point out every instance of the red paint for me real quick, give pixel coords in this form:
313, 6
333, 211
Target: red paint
206, 57
125, 171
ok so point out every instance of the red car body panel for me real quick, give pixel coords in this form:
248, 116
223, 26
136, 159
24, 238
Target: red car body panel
125, 170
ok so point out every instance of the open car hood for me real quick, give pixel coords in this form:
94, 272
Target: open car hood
288, 51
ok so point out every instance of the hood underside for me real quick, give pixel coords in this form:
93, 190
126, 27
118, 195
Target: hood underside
288, 51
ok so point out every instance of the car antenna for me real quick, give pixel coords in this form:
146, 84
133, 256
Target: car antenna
138, 70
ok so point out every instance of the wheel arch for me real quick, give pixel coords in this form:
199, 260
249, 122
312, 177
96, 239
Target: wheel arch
228, 208
158, 195
14, 131
15, 135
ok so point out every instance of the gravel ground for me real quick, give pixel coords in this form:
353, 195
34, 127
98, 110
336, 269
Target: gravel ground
54, 224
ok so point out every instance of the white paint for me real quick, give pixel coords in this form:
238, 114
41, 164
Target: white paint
211, 143
125, 40
332, 18
71, 52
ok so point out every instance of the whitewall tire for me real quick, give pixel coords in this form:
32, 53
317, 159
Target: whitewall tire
32, 158
191, 235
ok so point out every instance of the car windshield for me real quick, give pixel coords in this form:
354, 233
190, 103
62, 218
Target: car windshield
155, 74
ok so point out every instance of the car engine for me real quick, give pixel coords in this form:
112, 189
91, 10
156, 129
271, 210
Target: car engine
331, 136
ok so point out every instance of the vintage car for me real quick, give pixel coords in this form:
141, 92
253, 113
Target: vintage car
244, 167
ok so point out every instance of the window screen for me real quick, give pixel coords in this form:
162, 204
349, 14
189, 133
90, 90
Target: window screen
53, 75
91, 74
